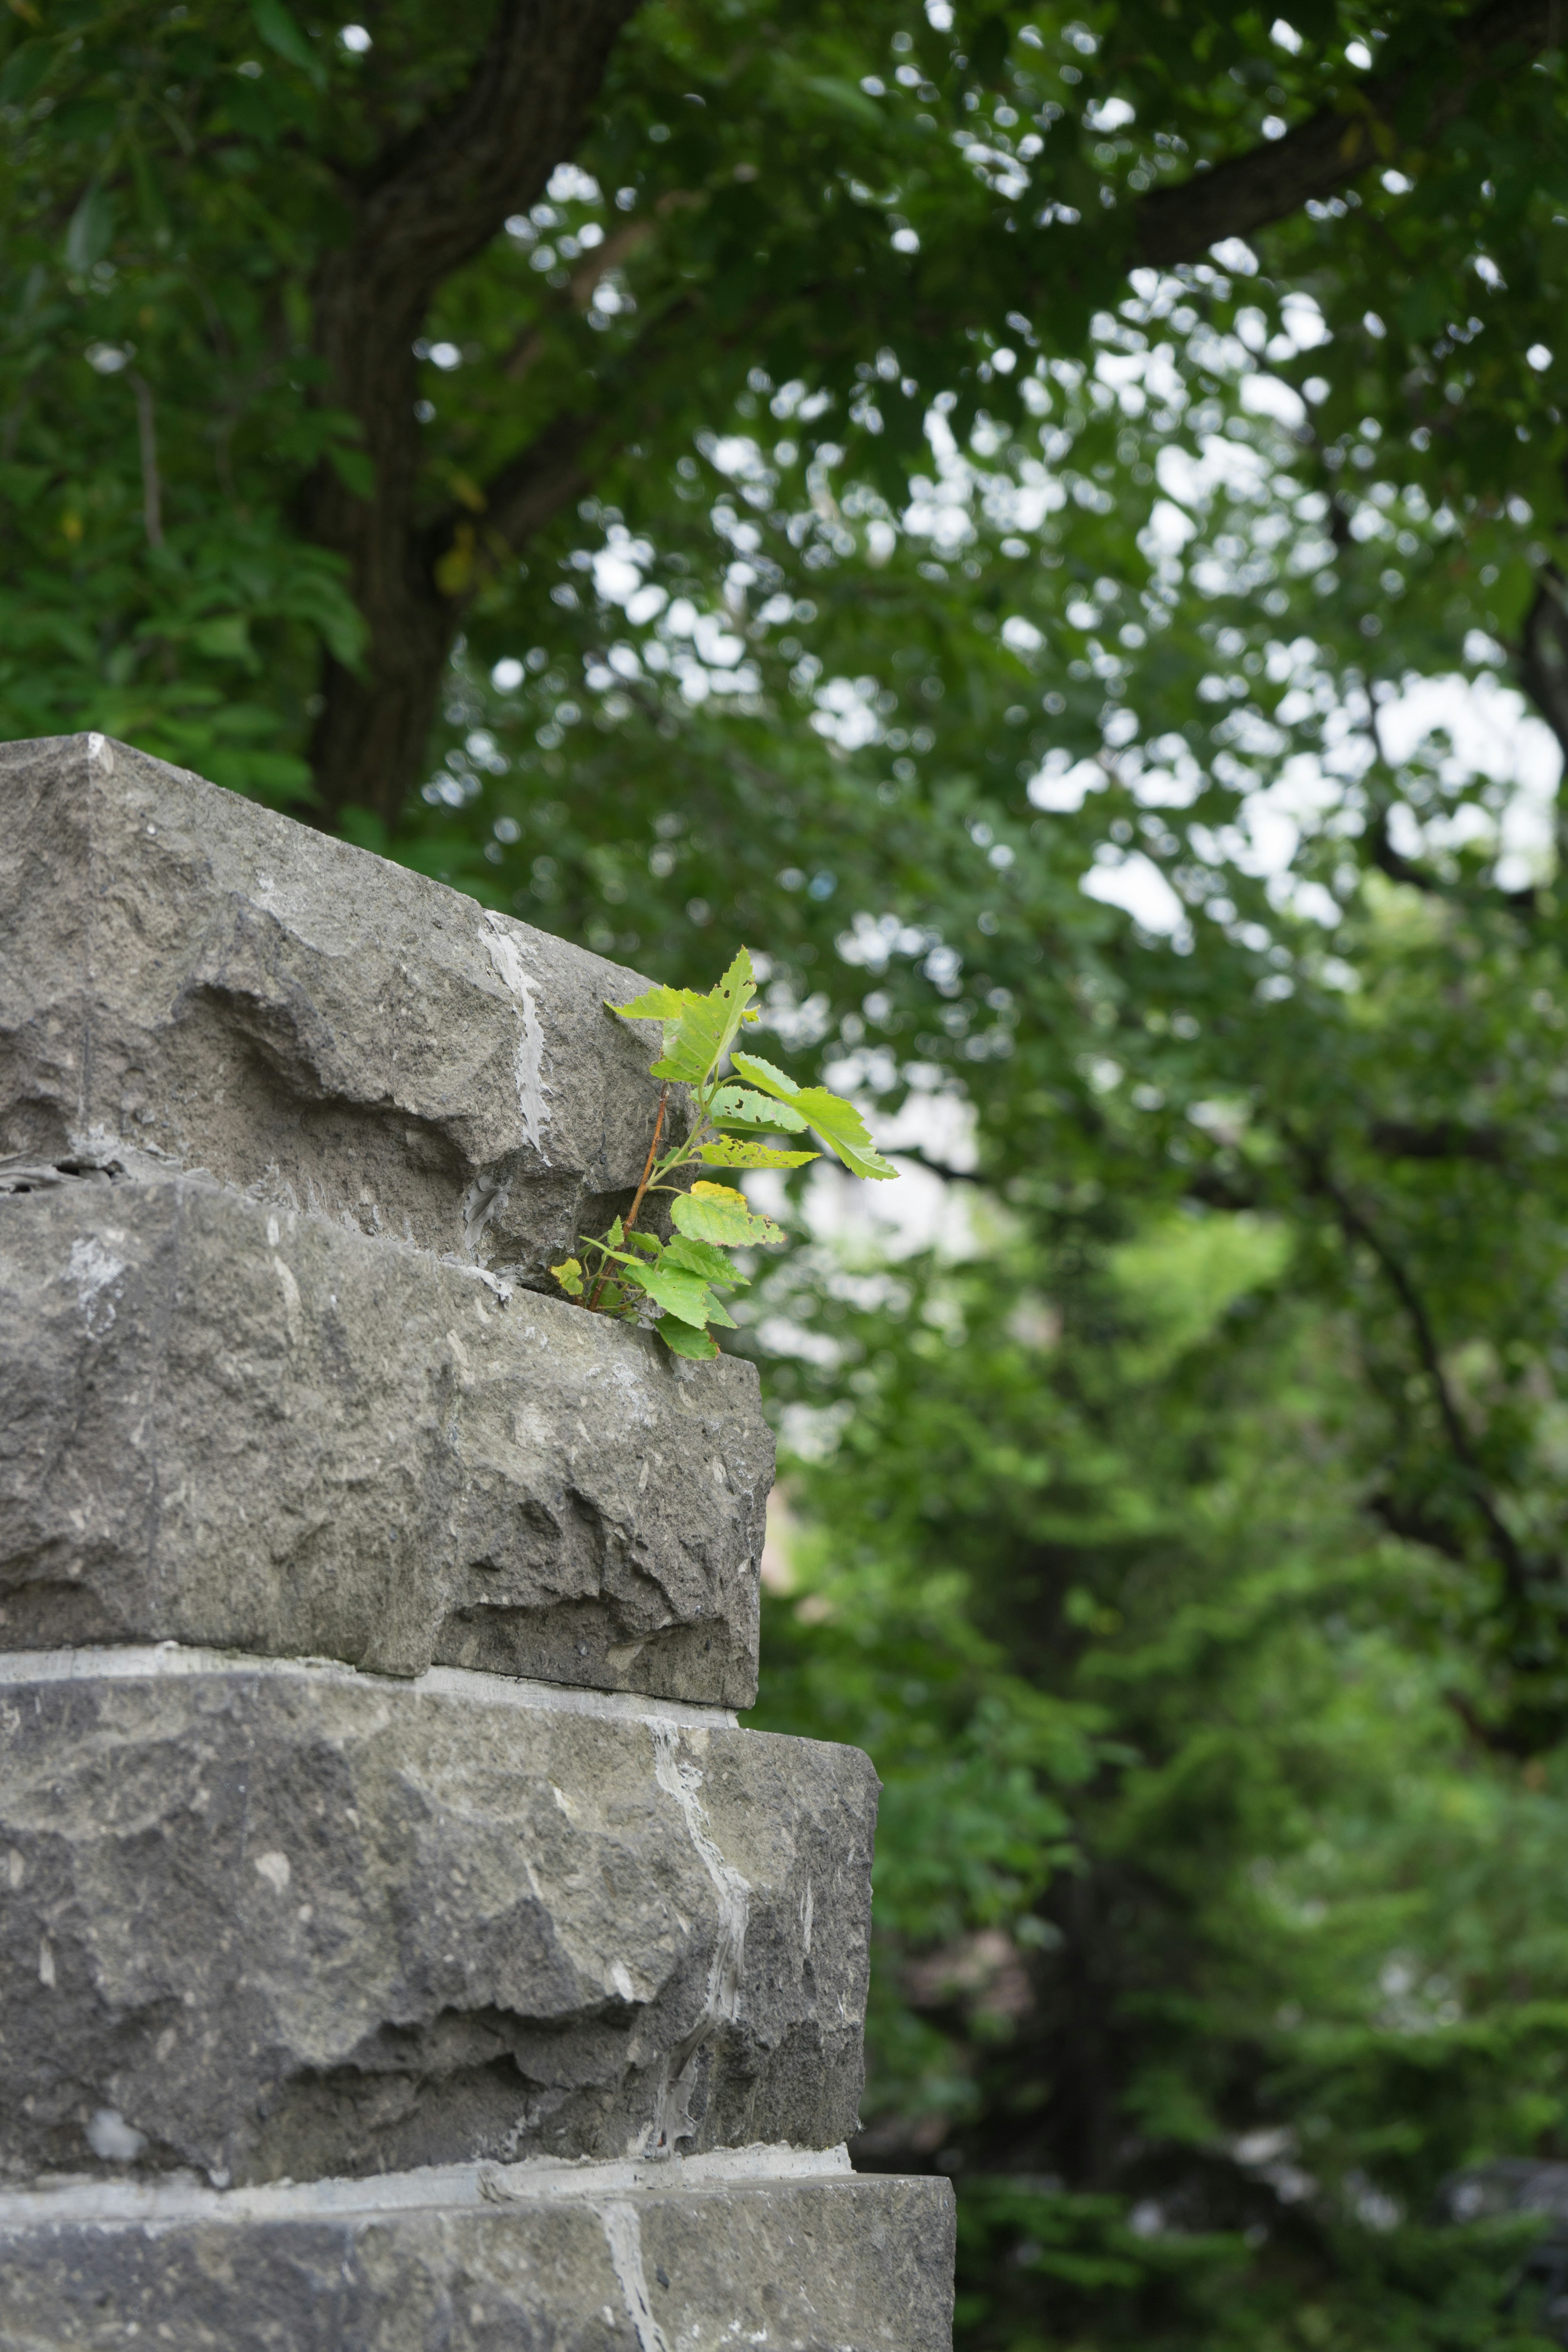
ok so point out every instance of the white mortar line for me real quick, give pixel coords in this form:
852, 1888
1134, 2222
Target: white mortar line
681, 1779
622, 2235
538, 2180
528, 1061
139, 1662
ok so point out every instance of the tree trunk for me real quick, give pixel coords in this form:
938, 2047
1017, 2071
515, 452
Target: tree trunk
420, 215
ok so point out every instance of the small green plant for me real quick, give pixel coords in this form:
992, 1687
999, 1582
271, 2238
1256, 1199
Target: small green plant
633, 1274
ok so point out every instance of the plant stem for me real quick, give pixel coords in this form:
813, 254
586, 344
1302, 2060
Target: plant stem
637, 1195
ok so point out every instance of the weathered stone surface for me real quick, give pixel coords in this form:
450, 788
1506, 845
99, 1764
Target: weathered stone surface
228, 1423
290, 1921
188, 974
834, 2265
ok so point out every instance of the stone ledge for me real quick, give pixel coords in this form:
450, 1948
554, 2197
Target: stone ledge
296, 1924
229, 1424
831, 2265
189, 974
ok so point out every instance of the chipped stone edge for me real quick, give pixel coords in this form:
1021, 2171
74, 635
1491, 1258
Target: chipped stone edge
142, 1661
136, 2204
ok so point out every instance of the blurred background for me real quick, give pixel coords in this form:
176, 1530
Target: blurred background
1046, 527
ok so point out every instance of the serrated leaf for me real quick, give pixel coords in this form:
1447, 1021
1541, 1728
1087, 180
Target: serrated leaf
702, 1257
837, 1122
740, 1152
656, 1004
615, 1235
716, 1213
735, 1106
767, 1074
698, 1030
682, 1340
685, 1296
569, 1275
648, 1244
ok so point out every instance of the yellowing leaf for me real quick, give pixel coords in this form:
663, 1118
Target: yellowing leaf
740, 1152
716, 1213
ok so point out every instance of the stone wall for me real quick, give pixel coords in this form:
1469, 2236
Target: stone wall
400, 1944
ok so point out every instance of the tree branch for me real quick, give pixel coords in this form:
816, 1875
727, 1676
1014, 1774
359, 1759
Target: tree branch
1357, 1226
1340, 142
1442, 1139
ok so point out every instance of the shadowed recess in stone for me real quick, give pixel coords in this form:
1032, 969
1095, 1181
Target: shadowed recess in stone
234, 1425
192, 978
292, 1924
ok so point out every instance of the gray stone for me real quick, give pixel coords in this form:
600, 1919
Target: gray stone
834, 2265
228, 1423
285, 1921
192, 976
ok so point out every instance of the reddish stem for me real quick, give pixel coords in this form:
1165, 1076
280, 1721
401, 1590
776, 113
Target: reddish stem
638, 1196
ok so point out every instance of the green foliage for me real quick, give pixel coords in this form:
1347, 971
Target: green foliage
1207, 1944
633, 1272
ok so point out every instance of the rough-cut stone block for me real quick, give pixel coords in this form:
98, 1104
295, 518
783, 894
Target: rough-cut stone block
292, 1921
829, 2265
189, 974
226, 1424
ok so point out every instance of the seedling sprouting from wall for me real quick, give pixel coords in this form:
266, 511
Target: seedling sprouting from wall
630, 1273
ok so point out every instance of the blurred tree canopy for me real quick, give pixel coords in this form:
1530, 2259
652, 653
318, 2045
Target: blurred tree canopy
1050, 526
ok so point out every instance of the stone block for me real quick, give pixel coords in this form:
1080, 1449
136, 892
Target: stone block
834, 2264
227, 1423
190, 976
290, 1921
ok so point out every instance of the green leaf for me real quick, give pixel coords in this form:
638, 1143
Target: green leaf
278, 30
716, 1213
740, 1152
682, 1340
847, 98
767, 1074
25, 70
702, 1257
685, 1296
228, 637
569, 1275
735, 1107
649, 1245
837, 1122
91, 230
656, 1004
354, 468
698, 1030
